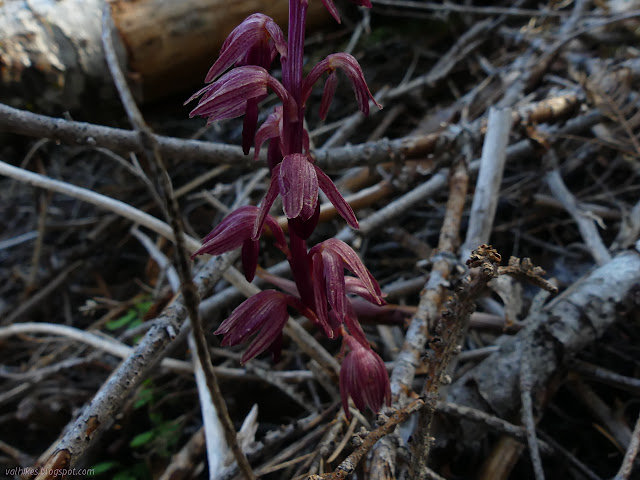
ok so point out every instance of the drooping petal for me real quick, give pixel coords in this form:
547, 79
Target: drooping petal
227, 97
298, 184
230, 233
270, 334
274, 154
250, 252
249, 125
350, 66
266, 312
332, 9
266, 204
335, 283
278, 234
356, 286
338, 201
353, 263
319, 293
354, 327
271, 128
328, 93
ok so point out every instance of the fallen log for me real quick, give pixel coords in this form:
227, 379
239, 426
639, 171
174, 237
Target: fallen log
51, 55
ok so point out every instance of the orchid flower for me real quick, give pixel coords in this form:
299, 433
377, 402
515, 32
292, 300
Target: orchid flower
236, 84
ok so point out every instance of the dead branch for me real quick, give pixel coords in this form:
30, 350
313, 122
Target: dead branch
573, 320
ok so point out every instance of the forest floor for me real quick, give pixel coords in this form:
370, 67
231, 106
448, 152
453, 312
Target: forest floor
517, 127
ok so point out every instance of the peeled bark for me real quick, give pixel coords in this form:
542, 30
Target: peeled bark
51, 54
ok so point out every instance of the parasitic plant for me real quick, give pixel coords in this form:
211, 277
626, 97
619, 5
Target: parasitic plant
237, 82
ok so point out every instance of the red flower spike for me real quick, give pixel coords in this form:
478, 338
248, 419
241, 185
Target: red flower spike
227, 97
351, 68
363, 377
298, 185
256, 30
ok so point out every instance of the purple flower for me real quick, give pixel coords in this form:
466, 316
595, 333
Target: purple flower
266, 313
237, 230
328, 261
363, 377
254, 42
297, 180
350, 66
227, 97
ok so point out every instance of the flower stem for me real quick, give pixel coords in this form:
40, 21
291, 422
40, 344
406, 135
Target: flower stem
299, 262
292, 74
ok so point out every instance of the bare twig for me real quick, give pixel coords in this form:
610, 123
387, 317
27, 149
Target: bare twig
100, 342
428, 315
80, 133
526, 384
620, 432
630, 462
43, 293
487, 191
490, 421
586, 225
347, 467
603, 375
159, 257
188, 288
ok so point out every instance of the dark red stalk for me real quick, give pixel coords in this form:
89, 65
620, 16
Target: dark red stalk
292, 74
299, 262
292, 81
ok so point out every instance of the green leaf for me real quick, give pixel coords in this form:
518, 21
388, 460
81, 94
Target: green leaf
156, 418
122, 321
145, 396
142, 439
143, 307
102, 467
124, 476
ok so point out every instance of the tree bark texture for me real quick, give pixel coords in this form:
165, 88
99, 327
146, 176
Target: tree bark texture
51, 56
